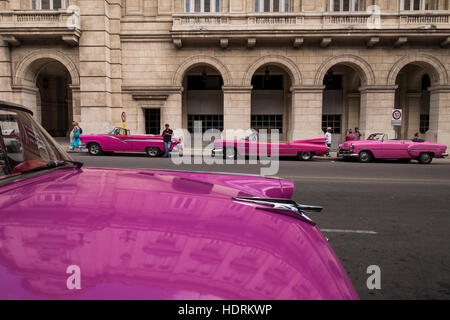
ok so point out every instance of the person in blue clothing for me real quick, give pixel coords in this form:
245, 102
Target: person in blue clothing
76, 132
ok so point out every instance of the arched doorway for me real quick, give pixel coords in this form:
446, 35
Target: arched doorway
271, 101
48, 83
203, 98
54, 98
341, 101
413, 97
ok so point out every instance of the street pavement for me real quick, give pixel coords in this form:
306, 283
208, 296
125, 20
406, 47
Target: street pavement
390, 214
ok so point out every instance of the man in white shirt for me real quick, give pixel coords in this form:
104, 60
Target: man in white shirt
328, 140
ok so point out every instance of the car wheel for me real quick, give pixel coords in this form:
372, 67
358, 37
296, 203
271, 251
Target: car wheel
230, 153
425, 158
365, 156
95, 149
305, 155
153, 152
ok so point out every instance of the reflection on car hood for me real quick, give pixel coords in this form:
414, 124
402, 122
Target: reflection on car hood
139, 234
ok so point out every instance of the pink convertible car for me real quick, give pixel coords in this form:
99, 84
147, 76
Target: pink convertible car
378, 146
70, 232
304, 150
121, 140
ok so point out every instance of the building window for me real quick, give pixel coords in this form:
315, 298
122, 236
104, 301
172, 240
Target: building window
268, 122
418, 5
209, 121
424, 123
153, 121
48, 4
345, 5
202, 6
333, 121
273, 5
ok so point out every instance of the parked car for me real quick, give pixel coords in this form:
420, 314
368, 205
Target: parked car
121, 140
151, 234
251, 145
378, 146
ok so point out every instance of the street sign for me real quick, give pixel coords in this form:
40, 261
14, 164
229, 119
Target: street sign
397, 117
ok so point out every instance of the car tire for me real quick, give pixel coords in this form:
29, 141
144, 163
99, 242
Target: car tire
95, 149
230, 153
365, 156
153, 152
305, 155
425, 158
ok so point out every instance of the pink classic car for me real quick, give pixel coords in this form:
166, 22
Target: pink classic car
121, 140
70, 232
378, 146
304, 149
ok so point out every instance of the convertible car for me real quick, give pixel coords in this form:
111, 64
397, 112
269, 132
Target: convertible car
70, 232
378, 146
121, 140
304, 150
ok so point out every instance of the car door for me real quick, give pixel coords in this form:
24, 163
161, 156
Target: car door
395, 149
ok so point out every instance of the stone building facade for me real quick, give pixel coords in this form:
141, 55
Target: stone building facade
293, 65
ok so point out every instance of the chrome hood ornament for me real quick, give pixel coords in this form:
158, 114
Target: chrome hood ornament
284, 206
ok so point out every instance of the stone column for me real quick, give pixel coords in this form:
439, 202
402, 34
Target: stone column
439, 115
172, 111
5, 72
95, 67
377, 103
306, 118
76, 109
237, 108
354, 101
412, 120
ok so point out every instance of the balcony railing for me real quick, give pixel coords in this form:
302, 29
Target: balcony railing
18, 25
308, 21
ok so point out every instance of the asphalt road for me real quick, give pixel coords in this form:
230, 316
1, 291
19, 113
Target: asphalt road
390, 214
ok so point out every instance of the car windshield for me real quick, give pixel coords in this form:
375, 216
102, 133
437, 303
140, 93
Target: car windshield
119, 132
25, 146
376, 136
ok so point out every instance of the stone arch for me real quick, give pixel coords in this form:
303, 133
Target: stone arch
198, 61
28, 68
363, 68
286, 64
434, 67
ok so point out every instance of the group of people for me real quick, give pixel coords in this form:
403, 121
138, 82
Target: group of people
356, 135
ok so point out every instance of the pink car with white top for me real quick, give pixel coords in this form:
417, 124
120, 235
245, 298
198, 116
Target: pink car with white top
121, 140
378, 146
150, 234
304, 150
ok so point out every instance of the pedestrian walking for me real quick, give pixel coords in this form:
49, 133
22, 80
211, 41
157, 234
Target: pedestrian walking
357, 134
167, 136
328, 140
350, 136
76, 132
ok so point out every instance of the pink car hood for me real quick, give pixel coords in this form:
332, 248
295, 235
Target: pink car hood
139, 234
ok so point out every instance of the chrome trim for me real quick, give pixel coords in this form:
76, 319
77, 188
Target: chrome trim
285, 204
216, 172
444, 155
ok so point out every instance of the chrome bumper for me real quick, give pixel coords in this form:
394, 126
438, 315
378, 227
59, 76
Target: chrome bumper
444, 155
347, 154
217, 152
